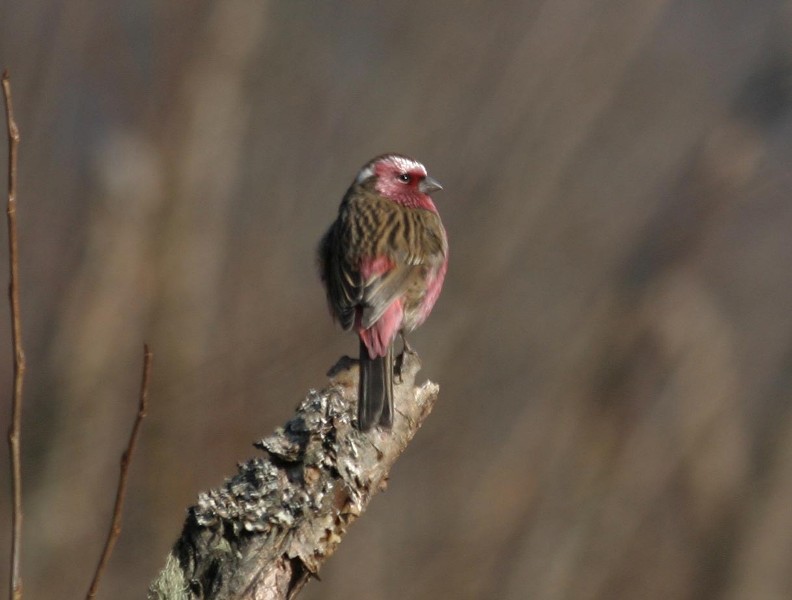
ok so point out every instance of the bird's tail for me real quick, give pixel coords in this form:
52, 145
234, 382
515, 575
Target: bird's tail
375, 392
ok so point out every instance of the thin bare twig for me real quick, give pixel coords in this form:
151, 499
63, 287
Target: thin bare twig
15, 588
126, 458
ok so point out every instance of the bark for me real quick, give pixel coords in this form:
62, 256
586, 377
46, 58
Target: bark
270, 527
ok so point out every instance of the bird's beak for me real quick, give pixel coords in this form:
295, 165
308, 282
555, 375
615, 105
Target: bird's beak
429, 185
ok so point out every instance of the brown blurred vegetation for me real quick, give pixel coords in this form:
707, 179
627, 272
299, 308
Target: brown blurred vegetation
614, 343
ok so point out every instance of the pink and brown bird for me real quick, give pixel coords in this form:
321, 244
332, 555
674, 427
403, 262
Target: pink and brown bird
383, 262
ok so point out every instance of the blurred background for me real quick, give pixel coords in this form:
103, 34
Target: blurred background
613, 344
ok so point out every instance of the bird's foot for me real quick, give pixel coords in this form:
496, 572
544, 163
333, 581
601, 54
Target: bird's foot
406, 345
399, 362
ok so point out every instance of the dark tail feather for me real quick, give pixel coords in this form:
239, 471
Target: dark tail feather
375, 393
386, 418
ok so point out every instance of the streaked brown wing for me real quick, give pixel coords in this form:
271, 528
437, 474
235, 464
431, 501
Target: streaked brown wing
379, 292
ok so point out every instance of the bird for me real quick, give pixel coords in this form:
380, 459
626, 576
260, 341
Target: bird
382, 263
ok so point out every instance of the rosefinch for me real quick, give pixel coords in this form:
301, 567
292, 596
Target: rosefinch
382, 262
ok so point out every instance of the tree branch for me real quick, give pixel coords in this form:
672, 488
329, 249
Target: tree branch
126, 459
15, 581
269, 529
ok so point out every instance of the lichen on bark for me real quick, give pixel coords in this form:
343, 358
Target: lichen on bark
271, 526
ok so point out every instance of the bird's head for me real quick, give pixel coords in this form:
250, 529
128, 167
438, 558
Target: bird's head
401, 179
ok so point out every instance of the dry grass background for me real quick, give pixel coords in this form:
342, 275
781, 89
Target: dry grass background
614, 342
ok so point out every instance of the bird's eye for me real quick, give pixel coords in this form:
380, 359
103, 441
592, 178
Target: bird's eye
405, 178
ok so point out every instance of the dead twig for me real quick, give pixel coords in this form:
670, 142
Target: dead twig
126, 458
268, 530
15, 587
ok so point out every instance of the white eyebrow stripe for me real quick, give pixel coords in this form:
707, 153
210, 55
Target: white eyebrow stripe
365, 174
406, 164
402, 163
